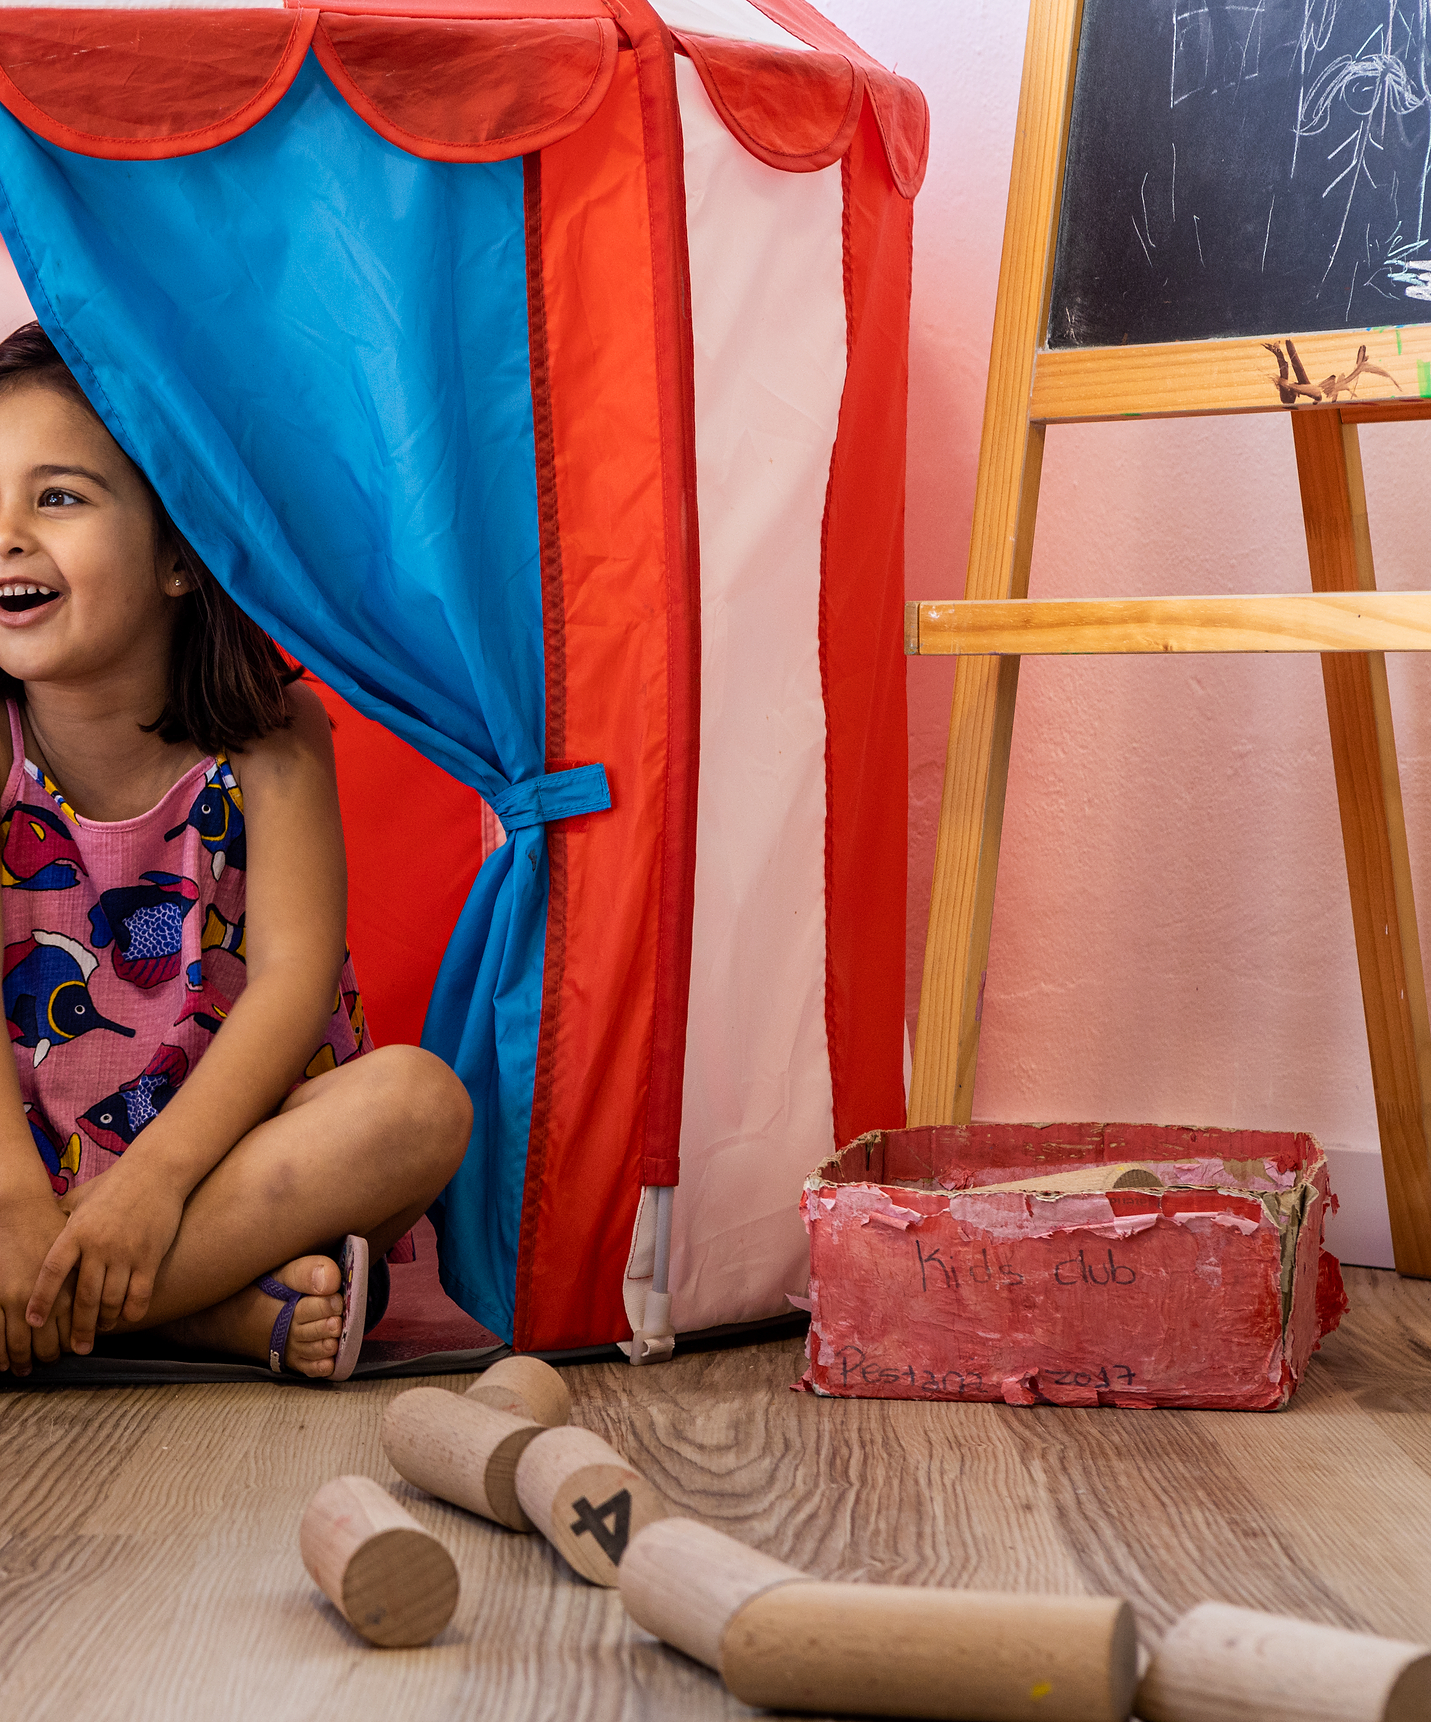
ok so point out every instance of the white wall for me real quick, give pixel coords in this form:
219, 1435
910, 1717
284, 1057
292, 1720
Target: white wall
1172, 934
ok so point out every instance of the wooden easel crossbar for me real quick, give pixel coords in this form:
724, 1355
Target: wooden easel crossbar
1328, 384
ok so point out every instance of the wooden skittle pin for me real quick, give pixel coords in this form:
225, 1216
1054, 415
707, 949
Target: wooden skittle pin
781, 1641
391, 1580
524, 1387
585, 1499
460, 1450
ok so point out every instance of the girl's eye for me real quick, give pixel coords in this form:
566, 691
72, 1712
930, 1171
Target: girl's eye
57, 498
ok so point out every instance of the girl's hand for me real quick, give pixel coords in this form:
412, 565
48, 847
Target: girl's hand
121, 1226
29, 1226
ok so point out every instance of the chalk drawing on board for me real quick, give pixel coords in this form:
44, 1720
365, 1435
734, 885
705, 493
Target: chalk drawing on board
1272, 160
1296, 389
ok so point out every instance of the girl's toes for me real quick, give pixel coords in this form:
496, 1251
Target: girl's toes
327, 1278
312, 1357
314, 1342
317, 1341
316, 1311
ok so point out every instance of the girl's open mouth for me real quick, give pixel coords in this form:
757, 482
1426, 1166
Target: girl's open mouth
15, 597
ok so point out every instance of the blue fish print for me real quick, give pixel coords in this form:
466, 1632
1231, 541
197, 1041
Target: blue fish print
145, 924
37, 853
46, 990
217, 816
60, 1163
116, 1120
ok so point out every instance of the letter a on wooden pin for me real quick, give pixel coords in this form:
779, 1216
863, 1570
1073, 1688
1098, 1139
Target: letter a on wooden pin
459, 1449
391, 1580
784, 1642
1223, 1664
585, 1499
524, 1387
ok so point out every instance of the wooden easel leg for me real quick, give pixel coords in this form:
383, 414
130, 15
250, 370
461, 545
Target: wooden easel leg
971, 816
1393, 986
966, 859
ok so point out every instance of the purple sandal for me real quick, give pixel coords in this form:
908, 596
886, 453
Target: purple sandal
353, 1283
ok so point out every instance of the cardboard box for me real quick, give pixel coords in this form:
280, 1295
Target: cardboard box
1070, 1264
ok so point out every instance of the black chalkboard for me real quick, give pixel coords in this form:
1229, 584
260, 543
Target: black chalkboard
1245, 170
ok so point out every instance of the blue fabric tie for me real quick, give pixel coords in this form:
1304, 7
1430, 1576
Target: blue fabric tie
558, 795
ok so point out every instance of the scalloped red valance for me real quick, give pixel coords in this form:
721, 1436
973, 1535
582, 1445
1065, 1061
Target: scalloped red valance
470, 89
794, 111
470, 80
134, 86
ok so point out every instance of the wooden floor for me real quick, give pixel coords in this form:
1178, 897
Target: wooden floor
149, 1561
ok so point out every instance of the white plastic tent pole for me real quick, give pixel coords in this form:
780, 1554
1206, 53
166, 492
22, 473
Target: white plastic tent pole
655, 1340
665, 1201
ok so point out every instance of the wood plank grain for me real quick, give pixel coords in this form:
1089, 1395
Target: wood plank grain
1185, 378
1295, 622
1378, 861
149, 1566
1001, 544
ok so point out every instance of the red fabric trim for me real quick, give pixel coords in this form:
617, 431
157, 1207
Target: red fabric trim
900, 107
609, 467
791, 110
520, 9
172, 84
469, 90
554, 645
675, 375
861, 657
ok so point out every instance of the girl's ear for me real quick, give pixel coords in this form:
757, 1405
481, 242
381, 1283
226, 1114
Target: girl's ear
176, 582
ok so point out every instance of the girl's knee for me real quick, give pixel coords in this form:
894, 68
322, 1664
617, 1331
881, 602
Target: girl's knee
427, 1095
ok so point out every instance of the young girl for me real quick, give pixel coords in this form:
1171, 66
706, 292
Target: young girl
187, 1130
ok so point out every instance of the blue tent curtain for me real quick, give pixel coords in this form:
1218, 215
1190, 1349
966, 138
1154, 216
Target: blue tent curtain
315, 345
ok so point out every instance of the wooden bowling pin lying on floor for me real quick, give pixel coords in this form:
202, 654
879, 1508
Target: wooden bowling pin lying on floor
785, 1642
585, 1499
524, 1387
391, 1580
1222, 1664
459, 1449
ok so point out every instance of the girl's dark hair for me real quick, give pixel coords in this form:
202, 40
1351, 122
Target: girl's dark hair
227, 680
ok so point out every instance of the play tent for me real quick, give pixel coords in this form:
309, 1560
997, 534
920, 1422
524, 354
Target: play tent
534, 371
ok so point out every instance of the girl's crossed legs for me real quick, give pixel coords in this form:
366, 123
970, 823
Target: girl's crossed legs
365, 1148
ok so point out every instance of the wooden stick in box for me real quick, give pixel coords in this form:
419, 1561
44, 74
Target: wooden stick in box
524, 1387
461, 1450
585, 1499
1222, 1664
390, 1579
785, 1642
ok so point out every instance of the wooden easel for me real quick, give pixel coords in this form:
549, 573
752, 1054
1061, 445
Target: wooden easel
1029, 389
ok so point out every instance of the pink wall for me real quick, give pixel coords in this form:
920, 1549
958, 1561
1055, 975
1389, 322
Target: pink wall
1172, 934
1172, 937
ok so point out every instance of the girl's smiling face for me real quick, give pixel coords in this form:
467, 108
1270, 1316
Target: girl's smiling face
85, 582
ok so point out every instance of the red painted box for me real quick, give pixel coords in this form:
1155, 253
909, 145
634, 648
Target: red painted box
1070, 1264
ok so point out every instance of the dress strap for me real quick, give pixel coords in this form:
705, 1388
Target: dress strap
17, 735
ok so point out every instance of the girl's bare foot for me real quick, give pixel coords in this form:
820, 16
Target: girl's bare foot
242, 1324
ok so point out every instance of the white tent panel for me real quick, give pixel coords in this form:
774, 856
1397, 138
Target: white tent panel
768, 308
736, 19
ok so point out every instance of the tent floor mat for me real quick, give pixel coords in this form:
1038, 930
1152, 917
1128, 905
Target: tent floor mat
133, 1364
422, 1333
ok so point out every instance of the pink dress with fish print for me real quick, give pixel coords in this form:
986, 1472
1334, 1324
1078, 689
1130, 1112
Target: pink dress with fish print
124, 952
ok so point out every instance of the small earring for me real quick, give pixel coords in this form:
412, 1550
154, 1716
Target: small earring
178, 581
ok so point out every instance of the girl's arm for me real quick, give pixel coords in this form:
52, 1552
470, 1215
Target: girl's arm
30, 1214
31, 1220
124, 1221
